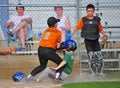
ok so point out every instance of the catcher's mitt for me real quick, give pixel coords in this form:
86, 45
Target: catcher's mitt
104, 39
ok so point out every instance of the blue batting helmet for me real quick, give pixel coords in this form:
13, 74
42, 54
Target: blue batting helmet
18, 76
70, 45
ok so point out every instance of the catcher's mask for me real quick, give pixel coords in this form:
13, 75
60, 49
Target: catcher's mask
18, 76
70, 45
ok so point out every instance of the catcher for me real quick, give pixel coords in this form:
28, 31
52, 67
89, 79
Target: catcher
90, 27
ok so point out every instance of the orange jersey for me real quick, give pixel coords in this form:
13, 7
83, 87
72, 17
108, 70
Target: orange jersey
50, 38
80, 25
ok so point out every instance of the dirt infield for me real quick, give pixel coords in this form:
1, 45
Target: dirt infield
25, 63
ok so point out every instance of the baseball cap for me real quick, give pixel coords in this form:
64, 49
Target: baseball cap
51, 21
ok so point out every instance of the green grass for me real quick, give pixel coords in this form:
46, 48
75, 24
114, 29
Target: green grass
114, 84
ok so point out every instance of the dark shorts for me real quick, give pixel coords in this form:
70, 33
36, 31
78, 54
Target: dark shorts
92, 45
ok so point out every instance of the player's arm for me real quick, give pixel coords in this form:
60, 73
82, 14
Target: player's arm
104, 36
67, 23
79, 25
59, 40
63, 63
74, 30
29, 20
58, 45
101, 29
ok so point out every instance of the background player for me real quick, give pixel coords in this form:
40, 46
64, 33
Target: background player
90, 27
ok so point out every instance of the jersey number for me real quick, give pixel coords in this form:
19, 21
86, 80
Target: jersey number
47, 35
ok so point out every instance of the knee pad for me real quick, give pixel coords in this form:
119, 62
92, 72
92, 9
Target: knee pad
99, 65
98, 54
93, 67
99, 62
91, 55
92, 62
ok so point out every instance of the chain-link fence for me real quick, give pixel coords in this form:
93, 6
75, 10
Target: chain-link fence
40, 10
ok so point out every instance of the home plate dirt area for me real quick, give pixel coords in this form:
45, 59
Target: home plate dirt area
9, 64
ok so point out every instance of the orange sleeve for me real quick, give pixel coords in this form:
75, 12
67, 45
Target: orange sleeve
100, 27
80, 24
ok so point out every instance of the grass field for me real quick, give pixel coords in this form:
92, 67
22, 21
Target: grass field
113, 84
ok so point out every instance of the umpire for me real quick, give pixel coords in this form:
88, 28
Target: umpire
50, 41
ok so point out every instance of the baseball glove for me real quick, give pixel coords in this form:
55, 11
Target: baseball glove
104, 39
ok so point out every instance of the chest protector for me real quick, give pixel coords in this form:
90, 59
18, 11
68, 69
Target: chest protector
90, 30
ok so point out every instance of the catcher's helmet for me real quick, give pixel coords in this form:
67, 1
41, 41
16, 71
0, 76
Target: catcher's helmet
70, 45
18, 76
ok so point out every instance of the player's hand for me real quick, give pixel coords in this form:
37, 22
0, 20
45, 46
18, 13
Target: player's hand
104, 39
53, 68
11, 23
62, 28
24, 20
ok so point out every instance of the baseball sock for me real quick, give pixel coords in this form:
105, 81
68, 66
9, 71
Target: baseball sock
57, 75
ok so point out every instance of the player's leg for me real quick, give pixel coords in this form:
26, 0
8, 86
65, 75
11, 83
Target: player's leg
89, 44
63, 36
22, 30
22, 25
99, 57
43, 59
100, 62
22, 38
56, 59
92, 62
46, 73
64, 76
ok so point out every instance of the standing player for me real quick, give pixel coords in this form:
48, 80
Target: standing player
50, 41
90, 27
